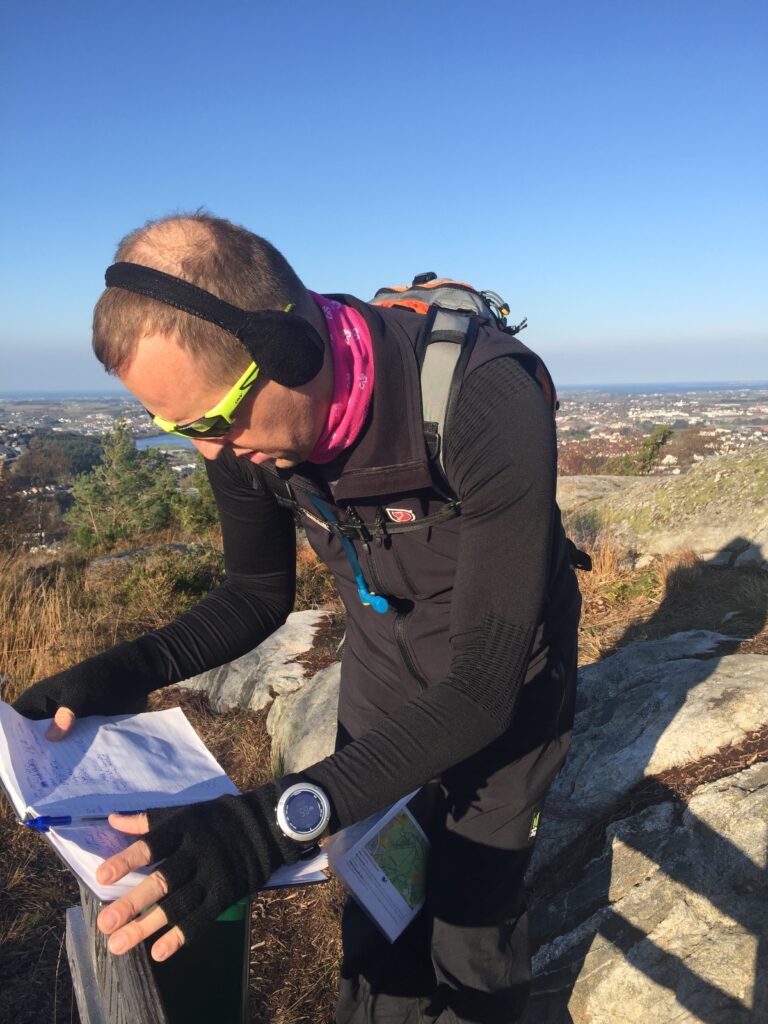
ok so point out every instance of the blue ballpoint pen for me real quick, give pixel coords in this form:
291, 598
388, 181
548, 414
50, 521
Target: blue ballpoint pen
45, 822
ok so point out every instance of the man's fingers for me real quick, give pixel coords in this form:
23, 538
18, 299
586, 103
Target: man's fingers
123, 911
136, 931
126, 929
135, 856
133, 824
62, 722
169, 944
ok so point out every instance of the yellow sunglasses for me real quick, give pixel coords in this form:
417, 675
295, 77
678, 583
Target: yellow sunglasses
217, 421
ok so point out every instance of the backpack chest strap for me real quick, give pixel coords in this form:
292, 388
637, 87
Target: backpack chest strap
352, 526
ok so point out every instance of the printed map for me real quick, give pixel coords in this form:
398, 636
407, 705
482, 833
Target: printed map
400, 850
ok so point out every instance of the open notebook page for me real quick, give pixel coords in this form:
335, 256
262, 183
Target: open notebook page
118, 763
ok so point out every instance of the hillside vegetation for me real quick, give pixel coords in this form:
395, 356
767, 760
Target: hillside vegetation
720, 503
54, 612
722, 486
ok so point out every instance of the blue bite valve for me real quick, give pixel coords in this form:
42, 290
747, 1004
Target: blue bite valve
375, 601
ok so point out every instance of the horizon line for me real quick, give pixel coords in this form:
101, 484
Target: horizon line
117, 393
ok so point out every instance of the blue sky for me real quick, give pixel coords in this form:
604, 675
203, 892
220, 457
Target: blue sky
600, 164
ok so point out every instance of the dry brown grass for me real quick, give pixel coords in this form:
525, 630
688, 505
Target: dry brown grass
36, 891
41, 626
50, 616
41, 630
314, 583
674, 593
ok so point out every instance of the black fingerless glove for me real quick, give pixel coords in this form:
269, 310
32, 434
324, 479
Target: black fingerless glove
115, 682
216, 853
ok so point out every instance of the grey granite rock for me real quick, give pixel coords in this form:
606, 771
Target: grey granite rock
720, 504
122, 561
603, 879
669, 922
756, 554
303, 724
256, 678
577, 493
653, 706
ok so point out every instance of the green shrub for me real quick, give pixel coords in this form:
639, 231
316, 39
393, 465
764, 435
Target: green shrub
128, 494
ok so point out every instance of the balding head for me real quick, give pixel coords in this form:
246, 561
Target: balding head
213, 254
173, 245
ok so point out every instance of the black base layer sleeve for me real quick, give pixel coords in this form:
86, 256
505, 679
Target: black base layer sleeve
426, 736
254, 600
258, 593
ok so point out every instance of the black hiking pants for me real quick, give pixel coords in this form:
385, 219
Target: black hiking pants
465, 958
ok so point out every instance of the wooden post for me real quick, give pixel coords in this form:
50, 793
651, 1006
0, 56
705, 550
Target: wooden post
200, 984
109, 989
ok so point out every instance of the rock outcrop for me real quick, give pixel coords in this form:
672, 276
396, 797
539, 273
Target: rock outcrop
669, 922
272, 668
653, 706
580, 493
719, 509
648, 909
303, 724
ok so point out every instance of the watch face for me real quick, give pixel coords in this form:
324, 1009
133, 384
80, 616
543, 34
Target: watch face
303, 812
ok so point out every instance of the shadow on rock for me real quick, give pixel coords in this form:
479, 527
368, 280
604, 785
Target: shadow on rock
649, 880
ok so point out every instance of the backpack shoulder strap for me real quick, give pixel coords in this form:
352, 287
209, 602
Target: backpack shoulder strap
443, 349
281, 491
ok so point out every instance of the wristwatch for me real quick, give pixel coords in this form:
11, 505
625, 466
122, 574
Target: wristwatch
303, 812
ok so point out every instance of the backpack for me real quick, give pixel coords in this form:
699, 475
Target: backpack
452, 309
430, 290
446, 343
453, 313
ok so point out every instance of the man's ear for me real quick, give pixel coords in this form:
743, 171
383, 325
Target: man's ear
285, 346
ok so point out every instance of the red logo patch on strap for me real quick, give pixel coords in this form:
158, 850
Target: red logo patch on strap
400, 515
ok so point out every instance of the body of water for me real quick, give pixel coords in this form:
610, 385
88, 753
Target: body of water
678, 387
163, 441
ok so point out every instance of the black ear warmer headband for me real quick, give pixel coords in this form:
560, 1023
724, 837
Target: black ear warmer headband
284, 345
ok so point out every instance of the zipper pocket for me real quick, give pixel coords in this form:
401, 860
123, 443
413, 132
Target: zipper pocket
405, 650
399, 629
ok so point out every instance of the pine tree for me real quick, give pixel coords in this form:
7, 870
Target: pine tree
129, 493
16, 515
650, 449
194, 507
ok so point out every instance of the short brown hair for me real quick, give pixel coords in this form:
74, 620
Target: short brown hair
212, 253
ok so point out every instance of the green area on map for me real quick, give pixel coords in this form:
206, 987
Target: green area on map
400, 850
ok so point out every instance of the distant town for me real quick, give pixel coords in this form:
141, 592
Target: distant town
596, 426
23, 418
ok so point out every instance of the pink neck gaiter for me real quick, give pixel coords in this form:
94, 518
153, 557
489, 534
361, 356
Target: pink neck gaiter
352, 378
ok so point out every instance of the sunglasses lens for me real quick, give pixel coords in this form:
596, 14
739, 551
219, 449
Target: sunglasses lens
205, 428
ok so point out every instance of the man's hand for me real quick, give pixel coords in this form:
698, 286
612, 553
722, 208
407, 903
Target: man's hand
114, 682
125, 920
212, 854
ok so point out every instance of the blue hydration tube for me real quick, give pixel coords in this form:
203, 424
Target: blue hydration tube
379, 604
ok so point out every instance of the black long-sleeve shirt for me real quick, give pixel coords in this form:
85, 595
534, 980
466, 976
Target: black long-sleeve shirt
501, 463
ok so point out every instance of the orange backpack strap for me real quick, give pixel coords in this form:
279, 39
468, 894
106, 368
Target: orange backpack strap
417, 305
